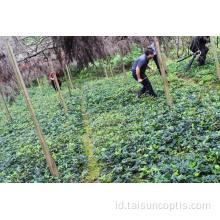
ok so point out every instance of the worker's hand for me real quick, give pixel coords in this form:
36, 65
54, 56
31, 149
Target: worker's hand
140, 80
198, 51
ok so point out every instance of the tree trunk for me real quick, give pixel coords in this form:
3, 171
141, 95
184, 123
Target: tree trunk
5, 105
58, 87
69, 75
50, 162
162, 68
123, 66
215, 56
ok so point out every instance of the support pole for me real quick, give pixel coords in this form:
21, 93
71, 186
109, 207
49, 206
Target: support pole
110, 66
104, 69
5, 106
163, 74
69, 75
40, 87
215, 56
123, 66
67, 82
50, 162
58, 87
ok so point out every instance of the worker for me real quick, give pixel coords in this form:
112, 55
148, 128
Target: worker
138, 72
52, 80
199, 45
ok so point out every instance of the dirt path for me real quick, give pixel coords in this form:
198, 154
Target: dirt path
93, 166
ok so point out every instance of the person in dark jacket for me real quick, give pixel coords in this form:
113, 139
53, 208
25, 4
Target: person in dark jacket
138, 72
199, 45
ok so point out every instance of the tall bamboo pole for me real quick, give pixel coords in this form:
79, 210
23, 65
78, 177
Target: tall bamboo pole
163, 73
50, 162
67, 82
40, 87
5, 105
215, 56
110, 66
42, 93
58, 87
69, 75
123, 65
104, 69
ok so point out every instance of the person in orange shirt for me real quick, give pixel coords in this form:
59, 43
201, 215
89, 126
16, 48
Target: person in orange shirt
52, 80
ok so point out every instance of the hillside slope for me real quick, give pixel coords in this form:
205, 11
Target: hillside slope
132, 140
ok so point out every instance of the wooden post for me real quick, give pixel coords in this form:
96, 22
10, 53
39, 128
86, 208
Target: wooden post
178, 46
215, 56
42, 94
104, 69
162, 68
123, 66
110, 66
142, 48
5, 105
40, 87
69, 75
58, 87
67, 82
50, 162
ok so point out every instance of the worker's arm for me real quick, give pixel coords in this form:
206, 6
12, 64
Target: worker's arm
151, 68
138, 73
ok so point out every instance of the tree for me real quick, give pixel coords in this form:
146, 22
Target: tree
50, 162
163, 73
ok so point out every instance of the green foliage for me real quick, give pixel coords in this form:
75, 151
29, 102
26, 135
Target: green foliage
22, 158
148, 141
203, 75
134, 140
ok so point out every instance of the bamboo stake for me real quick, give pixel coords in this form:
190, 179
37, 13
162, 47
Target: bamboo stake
45, 83
58, 87
69, 75
104, 69
42, 93
5, 105
67, 82
123, 66
162, 68
50, 162
215, 56
110, 66
40, 87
